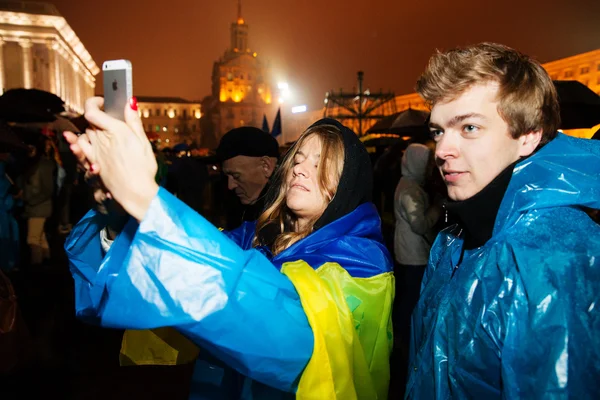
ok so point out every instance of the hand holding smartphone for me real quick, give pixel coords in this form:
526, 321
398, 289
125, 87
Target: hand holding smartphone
118, 87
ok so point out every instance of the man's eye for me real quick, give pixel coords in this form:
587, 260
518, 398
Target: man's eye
436, 133
470, 128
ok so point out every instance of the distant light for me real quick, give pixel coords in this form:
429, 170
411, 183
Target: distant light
167, 140
299, 109
255, 54
282, 86
280, 100
164, 129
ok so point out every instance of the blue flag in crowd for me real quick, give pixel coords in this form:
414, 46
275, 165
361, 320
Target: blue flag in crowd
276, 131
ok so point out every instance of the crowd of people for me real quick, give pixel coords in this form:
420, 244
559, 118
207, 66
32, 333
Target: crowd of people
489, 289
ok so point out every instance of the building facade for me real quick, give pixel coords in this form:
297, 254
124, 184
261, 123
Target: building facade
241, 88
584, 67
170, 120
38, 49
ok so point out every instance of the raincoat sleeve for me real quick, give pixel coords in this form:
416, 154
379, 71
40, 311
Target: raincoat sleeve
175, 269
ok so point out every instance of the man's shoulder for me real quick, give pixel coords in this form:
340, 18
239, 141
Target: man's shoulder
552, 239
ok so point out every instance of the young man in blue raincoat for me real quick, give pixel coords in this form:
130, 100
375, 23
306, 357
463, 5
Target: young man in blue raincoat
508, 305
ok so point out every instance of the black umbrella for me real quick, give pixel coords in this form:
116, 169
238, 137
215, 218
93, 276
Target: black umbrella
579, 105
406, 122
30, 105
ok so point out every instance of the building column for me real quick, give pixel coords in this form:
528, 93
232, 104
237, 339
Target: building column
52, 67
26, 45
57, 82
1, 66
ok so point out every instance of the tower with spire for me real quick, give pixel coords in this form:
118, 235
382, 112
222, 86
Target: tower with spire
239, 33
241, 87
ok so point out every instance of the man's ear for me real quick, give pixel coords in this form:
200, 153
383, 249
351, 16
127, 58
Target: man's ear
529, 142
268, 165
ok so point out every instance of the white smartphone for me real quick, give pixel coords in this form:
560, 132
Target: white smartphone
118, 87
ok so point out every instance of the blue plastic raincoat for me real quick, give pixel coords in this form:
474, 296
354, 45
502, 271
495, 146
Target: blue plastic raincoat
519, 317
313, 320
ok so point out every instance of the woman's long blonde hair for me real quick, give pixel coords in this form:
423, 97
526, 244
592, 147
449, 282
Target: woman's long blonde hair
329, 170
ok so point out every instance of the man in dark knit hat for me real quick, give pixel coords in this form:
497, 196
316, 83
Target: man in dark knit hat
249, 157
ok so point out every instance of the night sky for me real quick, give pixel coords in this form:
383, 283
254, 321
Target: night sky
319, 45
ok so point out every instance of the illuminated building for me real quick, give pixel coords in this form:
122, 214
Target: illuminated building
171, 120
584, 67
241, 88
38, 49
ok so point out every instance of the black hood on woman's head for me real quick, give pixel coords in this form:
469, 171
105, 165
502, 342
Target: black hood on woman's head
356, 183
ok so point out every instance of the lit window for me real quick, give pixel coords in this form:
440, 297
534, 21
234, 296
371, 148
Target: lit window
146, 113
176, 130
165, 128
157, 128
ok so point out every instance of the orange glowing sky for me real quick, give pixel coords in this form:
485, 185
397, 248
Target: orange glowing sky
318, 45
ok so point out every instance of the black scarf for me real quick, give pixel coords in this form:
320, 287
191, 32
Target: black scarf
477, 214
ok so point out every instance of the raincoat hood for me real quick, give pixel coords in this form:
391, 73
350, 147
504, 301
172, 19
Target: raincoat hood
564, 173
414, 162
356, 183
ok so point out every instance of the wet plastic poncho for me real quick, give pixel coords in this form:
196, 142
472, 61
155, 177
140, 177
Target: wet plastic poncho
320, 329
519, 317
